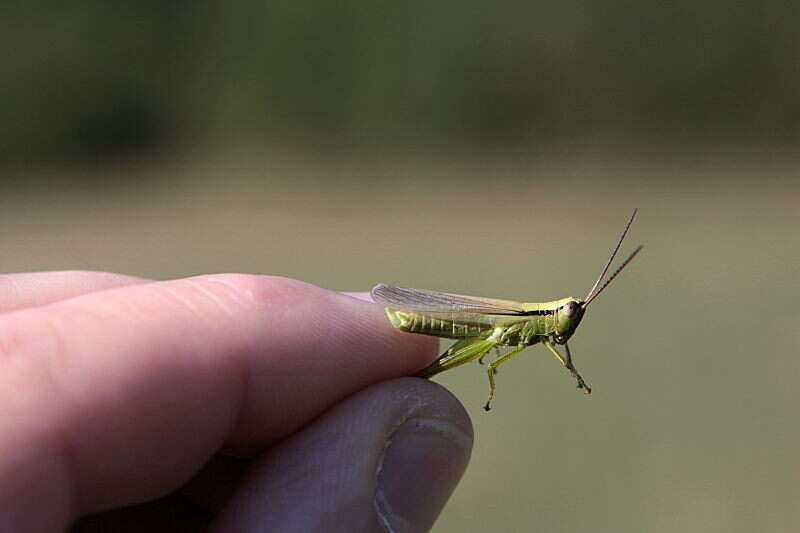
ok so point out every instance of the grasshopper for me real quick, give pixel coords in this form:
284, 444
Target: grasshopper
481, 324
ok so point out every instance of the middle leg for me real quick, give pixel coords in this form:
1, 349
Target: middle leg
491, 370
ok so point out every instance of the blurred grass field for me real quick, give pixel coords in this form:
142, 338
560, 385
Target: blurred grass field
692, 352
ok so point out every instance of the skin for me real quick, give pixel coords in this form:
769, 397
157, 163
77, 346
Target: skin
232, 402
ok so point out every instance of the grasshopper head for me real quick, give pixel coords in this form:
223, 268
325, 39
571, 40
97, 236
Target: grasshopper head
568, 316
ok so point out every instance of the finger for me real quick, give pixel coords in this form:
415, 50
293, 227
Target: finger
386, 459
365, 296
18, 291
119, 396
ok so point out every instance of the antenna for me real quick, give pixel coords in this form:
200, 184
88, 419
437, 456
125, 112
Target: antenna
614, 275
590, 295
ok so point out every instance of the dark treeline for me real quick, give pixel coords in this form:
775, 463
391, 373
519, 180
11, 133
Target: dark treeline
106, 76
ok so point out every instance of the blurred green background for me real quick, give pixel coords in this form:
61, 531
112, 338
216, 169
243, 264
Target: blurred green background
482, 148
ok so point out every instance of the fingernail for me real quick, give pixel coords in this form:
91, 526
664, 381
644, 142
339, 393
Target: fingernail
423, 462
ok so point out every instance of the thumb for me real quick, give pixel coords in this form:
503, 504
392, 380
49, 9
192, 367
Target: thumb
385, 459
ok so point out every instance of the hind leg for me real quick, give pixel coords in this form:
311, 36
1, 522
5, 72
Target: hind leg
461, 352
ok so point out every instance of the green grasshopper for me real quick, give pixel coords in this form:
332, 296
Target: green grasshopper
480, 324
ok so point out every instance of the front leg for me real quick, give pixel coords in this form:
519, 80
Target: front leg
568, 365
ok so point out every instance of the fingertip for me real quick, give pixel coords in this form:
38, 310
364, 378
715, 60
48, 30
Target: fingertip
364, 296
387, 458
424, 460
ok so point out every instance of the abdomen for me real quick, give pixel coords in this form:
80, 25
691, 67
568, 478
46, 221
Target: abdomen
439, 324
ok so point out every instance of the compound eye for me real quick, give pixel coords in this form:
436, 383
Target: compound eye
570, 308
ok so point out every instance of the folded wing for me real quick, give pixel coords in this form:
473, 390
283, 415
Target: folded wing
441, 302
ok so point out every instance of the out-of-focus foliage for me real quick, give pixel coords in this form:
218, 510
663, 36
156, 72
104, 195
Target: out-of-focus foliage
100, 77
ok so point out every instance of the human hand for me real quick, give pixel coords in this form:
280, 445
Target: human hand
242, 403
